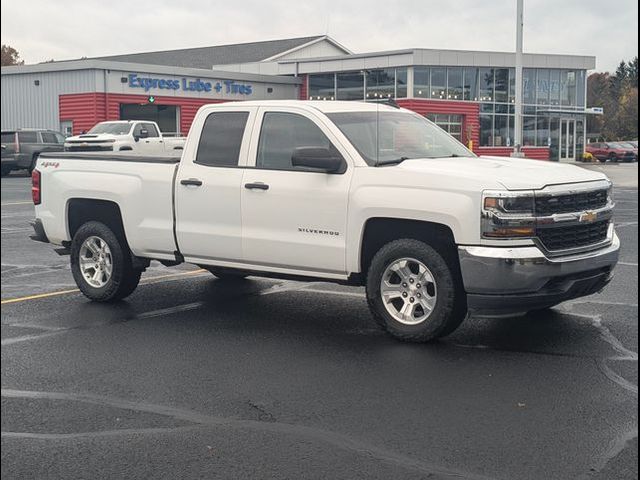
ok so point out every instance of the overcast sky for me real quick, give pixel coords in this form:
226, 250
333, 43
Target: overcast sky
45, 29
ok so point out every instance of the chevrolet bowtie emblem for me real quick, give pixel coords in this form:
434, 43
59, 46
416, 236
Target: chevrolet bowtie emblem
588, 217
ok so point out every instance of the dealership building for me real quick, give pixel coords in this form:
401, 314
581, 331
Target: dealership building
471, 94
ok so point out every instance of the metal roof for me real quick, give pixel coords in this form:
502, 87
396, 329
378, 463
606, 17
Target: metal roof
206, 57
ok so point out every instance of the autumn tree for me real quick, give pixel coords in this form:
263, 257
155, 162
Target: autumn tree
10, 56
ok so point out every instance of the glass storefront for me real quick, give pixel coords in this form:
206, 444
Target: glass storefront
548, 96
363, 85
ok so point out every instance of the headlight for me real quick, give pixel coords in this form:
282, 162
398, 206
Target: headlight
508, 215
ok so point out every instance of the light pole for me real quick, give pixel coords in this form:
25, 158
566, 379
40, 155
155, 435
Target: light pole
517, 130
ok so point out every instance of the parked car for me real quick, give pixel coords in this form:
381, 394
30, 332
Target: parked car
23, 146
347, 192
633, 146
611, 152
130, 136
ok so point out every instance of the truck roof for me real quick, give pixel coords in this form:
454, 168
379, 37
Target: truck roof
328, 106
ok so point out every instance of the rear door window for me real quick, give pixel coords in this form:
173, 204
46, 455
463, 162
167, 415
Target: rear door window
48, 137
8, 137
28, 137
221, 139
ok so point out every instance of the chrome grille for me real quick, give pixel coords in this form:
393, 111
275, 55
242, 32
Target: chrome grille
573, 236
547, 205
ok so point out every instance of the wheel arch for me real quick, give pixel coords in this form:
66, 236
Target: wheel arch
83, 210
378, 231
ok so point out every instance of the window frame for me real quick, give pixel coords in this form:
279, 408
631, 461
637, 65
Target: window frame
248, 126
332, 132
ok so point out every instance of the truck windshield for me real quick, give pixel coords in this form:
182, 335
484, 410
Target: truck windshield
384, 138
112, 128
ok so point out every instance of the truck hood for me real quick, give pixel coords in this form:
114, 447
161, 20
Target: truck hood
511, 173
92, 137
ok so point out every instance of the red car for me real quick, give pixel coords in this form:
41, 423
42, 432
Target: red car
612, 152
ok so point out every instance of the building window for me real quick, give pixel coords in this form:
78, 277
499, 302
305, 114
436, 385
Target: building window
542, 87
350, 86
452, 124
554, 88
529, 131
421, 85
471, 84
439, 83
455, 83
401, 82
542, 132
322, 86
486, 84
501, 76
502, 136
581, 87
381, 83
568, 88
512, 85
529, 86
486, 130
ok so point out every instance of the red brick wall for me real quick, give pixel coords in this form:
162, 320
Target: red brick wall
470, 114
535, 153
304, 87
87, 109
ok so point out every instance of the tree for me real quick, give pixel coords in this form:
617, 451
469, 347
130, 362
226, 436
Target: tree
10, 56
618, 95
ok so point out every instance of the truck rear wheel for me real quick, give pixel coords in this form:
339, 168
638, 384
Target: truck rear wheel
101, 263
413, 293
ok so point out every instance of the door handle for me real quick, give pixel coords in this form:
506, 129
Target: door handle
191, 181
256, 186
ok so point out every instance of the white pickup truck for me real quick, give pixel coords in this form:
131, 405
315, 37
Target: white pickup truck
354, 193
132, 137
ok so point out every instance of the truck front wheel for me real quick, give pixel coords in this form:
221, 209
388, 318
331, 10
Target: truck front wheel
413, 293
101, 263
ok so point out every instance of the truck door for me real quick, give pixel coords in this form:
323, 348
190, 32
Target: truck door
208, 186
153, 143
294, 218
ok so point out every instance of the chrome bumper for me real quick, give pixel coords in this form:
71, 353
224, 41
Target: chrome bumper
499, 279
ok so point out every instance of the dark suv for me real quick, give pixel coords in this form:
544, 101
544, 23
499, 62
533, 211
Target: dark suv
20, 148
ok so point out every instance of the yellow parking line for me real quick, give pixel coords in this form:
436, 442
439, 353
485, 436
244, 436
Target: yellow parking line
149, 280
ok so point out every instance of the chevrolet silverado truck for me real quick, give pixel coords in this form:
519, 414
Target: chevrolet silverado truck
354, 193
129, 136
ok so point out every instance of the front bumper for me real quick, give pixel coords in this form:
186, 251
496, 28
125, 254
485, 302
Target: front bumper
502, 280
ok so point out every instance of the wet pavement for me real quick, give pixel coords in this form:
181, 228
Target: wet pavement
194, 377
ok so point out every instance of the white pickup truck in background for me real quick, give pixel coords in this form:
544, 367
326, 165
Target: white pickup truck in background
355, 193
131, 137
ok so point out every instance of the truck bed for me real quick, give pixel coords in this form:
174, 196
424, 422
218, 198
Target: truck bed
112, 157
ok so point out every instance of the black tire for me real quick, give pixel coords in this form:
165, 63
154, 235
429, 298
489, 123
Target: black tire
612, 158
450, 308
124, 278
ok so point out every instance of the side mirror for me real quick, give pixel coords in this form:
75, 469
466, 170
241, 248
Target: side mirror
318, 158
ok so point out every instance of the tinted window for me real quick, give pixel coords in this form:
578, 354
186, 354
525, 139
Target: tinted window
8, 137
48, 137
151, 128
221, 139
281, 134
28, 137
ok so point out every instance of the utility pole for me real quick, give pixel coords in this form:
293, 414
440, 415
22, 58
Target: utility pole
517, 130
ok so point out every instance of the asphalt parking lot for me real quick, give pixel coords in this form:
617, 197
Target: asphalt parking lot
194, 377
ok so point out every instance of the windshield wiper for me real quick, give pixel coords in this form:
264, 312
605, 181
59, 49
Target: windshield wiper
393, 161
